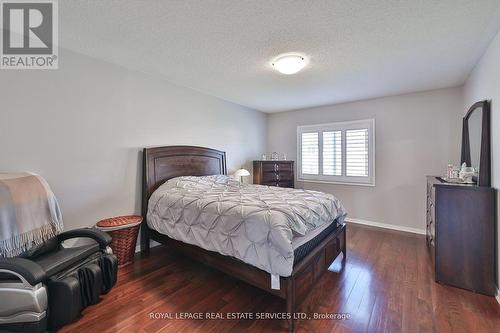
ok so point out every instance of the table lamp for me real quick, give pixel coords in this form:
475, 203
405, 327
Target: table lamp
241, 173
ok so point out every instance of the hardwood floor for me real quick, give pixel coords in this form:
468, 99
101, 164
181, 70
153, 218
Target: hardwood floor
386, 285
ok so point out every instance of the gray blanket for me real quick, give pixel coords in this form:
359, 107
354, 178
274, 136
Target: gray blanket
29, 213
253, 223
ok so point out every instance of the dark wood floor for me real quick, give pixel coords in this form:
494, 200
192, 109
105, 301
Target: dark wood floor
386, 285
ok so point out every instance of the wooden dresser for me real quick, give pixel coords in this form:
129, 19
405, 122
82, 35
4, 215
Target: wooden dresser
273, 173
461, 231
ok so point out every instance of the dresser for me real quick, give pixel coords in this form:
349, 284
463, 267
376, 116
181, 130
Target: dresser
460, 233
273, 173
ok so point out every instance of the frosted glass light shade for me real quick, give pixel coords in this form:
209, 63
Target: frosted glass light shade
241, 173
289, 63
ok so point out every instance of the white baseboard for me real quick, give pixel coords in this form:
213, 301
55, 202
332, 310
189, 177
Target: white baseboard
385, 225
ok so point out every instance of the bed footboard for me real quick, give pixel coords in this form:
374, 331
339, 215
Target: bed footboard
310, 269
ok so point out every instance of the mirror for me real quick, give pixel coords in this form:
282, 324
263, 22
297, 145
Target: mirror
476, 142
475, 126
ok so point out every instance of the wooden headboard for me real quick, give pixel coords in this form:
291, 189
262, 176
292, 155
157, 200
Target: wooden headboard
164, 163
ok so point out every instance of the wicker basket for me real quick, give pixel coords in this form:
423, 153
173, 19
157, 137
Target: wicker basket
123, 231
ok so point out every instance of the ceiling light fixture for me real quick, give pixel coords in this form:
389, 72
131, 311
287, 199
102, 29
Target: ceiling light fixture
289, 63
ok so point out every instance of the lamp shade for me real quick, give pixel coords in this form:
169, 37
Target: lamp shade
241, 173
289, 63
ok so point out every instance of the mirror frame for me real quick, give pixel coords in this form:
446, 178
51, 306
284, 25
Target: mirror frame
484, 178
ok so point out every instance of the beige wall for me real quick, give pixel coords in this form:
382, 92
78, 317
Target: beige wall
82, 128
416, 135
484, 83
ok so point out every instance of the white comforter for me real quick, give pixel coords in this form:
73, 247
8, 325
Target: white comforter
253, 223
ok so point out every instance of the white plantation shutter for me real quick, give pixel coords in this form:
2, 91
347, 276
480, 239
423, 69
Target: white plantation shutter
310, 153
332, 153
356, 142
337, 152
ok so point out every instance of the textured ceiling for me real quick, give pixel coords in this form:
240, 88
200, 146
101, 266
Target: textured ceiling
358, 48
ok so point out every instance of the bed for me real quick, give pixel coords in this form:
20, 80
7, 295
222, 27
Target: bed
300, 269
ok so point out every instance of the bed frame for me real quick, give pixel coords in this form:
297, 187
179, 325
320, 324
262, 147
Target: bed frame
164, 163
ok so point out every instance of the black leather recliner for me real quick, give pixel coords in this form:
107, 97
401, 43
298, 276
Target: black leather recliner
49, 285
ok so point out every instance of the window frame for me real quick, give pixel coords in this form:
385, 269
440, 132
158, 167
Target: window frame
338, 126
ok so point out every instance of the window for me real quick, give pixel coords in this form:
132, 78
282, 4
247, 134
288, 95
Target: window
337, 152
310, 154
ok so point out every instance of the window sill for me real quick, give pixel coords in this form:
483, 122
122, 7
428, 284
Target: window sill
334, 182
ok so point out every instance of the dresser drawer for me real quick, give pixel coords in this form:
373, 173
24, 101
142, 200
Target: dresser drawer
279, 183
276, 177
270, 167
269, 177
284, 167
284, 176
284, 184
